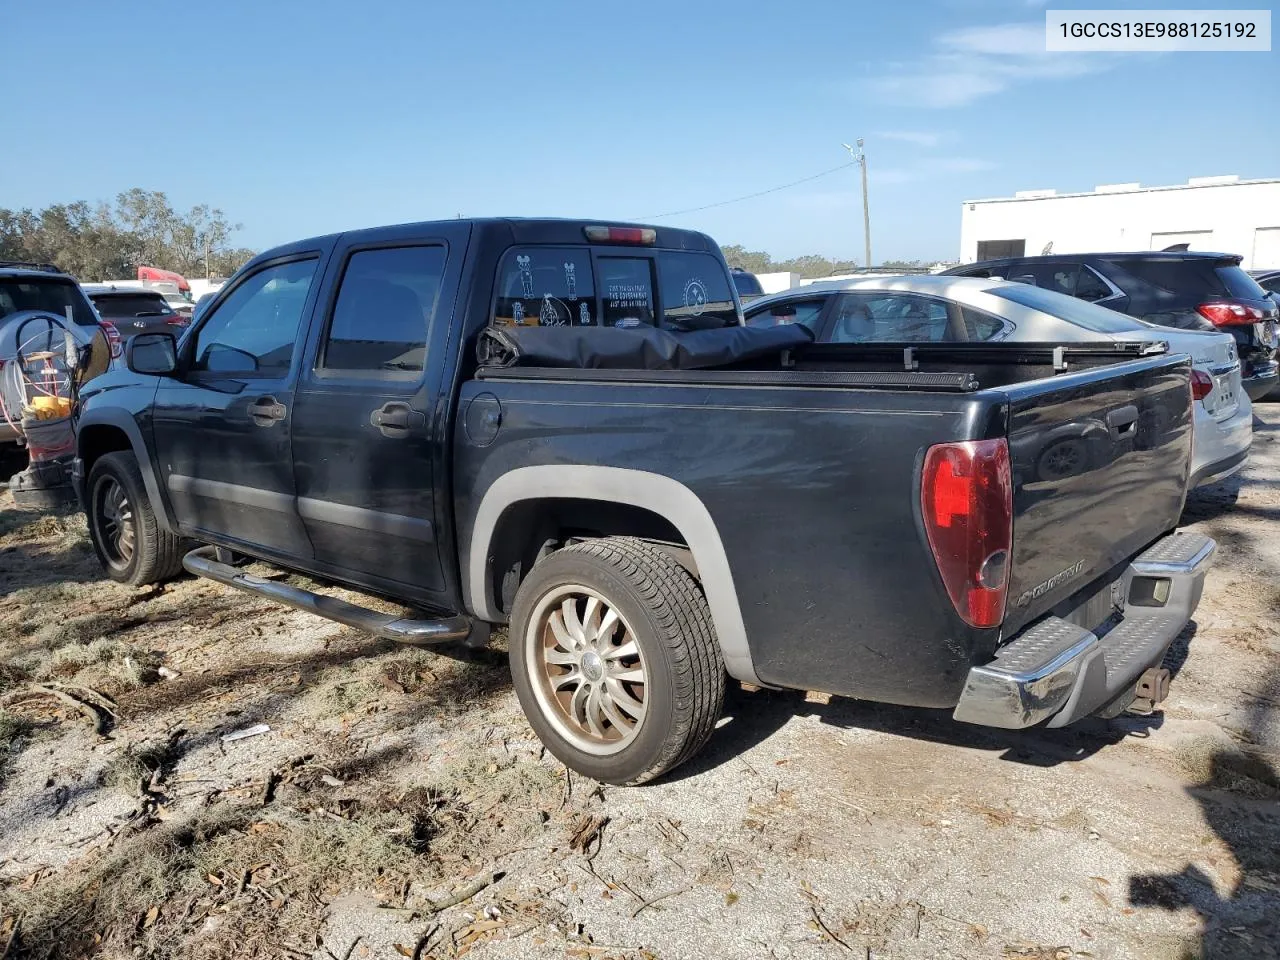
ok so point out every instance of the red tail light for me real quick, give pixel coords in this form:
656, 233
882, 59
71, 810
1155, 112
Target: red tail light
1228, 313
967, 500
1201, 384
176, 320
644, 236
113, 338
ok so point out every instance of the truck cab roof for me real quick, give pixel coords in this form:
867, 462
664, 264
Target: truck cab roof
540, 230
25, 268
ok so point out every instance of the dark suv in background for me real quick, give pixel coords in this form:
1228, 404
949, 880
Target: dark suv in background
132, 311
1185, 289
746, 284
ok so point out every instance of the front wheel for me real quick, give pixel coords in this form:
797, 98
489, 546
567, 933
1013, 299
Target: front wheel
615, 660
128, 539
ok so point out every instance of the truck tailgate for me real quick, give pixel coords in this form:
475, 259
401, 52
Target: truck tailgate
1100, 463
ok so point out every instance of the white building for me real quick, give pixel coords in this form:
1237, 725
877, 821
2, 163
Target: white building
1220, 214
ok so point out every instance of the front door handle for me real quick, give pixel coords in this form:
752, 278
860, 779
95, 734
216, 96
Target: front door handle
266, 410
395, 419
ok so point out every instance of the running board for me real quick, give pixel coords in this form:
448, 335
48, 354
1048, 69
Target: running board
203, 562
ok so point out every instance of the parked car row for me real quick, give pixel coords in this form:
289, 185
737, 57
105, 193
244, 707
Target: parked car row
1184, 290
951, 309
566, 428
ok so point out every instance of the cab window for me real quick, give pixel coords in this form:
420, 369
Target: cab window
384, 309
626, 291
254, 330
695, 292
546, 286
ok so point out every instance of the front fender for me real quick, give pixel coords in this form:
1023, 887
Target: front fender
118, 403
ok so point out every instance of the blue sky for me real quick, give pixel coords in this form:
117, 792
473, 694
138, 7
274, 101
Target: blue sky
299, 118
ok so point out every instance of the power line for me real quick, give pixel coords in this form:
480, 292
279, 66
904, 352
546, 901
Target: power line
749, 196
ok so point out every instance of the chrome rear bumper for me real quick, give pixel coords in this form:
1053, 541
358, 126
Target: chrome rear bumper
1061, 672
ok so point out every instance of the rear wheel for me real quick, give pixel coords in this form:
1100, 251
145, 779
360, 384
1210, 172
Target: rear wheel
615, 660
128, 539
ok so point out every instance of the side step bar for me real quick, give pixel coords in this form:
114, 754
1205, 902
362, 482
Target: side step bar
203, 562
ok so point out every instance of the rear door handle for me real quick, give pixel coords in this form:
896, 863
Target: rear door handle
1123, 422
266, 410
395, 419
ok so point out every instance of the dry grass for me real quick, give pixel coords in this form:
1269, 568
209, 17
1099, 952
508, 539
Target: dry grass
106, 665
13, 736
62, 529
239, 880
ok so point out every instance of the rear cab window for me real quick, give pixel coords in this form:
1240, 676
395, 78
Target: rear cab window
611, 286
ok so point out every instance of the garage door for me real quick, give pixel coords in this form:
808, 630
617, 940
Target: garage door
1194, 239
1266, 249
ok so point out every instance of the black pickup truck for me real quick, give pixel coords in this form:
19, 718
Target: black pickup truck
562, 427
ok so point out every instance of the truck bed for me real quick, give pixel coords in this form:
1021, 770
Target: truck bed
811, 474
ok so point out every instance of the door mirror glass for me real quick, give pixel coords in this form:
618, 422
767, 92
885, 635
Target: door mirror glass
152, 353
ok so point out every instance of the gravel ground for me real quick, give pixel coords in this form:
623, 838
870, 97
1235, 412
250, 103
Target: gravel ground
392, 780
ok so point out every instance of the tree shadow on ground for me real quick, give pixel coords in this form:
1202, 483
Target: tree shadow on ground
1240, 800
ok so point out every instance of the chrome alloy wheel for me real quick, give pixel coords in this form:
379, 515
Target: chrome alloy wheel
114, 519
586, 669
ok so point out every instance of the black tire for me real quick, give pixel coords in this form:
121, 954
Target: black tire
662, 608
154, 554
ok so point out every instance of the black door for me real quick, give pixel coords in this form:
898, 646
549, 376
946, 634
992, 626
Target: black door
222, 428
366, 448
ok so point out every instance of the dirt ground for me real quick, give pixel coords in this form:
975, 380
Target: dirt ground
399, 806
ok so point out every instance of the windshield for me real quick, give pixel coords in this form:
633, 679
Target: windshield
747, 284
124, 305
1078, 312
47, 294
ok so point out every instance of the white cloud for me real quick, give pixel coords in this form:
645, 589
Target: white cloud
957, 165
1022, 39
924, 87
930, 168
913, 137
976, 62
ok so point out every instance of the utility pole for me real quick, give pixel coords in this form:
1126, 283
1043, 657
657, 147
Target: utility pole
860, 158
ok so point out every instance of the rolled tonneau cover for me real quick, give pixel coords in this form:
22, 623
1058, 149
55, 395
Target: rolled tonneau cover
639, 348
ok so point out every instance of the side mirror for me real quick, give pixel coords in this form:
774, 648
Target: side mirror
152, 353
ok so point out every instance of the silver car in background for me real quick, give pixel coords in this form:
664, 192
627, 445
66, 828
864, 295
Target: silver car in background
940, 309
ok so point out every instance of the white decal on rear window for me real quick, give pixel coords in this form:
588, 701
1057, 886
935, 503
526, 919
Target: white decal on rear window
553, 312
526, 274
571, 279
695, 296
